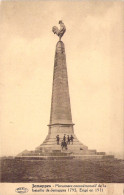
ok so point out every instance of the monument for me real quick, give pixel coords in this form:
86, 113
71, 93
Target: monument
61, 140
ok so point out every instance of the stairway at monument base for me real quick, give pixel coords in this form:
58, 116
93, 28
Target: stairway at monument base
53, 151
64, 156
50, 150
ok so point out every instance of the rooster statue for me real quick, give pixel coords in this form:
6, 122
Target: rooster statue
60, 32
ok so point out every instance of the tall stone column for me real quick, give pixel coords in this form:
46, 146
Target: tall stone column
60, 117
60, 105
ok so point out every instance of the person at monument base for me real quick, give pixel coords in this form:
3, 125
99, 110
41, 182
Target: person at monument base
68, 140
71, 139
64, 138
64, 145
57, 139
65, 141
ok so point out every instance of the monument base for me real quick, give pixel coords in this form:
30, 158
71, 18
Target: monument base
49, 149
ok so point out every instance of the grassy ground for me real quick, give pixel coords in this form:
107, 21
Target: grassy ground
111, 171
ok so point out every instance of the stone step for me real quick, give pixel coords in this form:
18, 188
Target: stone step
44, 157
54, 144
100, 153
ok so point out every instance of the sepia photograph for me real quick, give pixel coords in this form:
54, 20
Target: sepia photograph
61, 96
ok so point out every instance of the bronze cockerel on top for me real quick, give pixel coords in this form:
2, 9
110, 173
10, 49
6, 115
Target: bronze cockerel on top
60, 32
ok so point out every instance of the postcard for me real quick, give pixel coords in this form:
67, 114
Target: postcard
61, 82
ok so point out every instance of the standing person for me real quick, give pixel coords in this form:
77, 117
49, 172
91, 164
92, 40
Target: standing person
62, 144
66, 146
64, 138
68, 140
57, 139
71, 138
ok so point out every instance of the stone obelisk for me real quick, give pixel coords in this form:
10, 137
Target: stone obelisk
60, 117
60, 106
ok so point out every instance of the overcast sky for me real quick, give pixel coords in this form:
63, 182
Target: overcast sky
94, 51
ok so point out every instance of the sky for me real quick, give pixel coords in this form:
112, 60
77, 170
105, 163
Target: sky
94, 53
